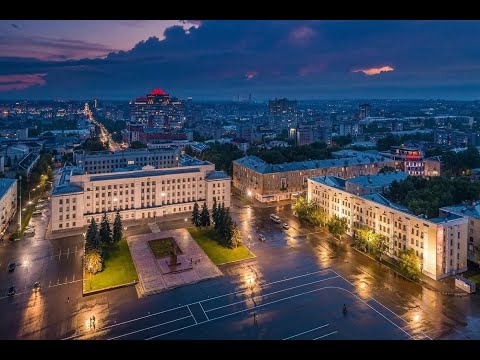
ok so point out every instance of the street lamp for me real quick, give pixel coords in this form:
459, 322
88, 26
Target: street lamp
249, 193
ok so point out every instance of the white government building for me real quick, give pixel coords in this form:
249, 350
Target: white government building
137, 194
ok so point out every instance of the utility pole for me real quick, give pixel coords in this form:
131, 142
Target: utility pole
20, 207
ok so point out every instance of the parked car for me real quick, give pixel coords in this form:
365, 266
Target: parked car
275, 218
11, 290
286, 226
261, 237
11, 266
36, 213
29, 232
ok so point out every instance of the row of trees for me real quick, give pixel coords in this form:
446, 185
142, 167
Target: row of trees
227, 230
280, 155
98, 238
308, 212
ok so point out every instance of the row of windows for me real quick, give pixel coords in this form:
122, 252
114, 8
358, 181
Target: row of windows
123, 160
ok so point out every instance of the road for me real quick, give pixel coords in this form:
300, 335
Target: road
390, 306
106, 136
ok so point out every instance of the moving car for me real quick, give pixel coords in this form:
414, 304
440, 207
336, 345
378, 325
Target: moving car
36, 286
261, 237
11, 290
11, 266
286, 226
275, 218
38, 212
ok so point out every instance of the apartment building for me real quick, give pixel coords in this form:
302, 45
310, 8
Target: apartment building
273, 182
472, 212
99, 162
440, 243
137, 194
8, 202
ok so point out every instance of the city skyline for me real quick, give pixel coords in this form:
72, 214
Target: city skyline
221, 60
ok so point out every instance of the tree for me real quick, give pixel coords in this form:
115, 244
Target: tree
337, 225
117, 228
307, 211
235, 238
205, 215
214, 210
367, 240
92, 238
105, 231
227, 230
196, 215
93, 261
219, 223
386, 169
410, 264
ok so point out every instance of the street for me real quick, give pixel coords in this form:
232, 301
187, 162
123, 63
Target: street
381, 302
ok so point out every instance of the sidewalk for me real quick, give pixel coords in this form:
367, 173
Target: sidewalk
242, 201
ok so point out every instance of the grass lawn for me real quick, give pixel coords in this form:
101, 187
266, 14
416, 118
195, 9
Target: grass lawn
206, 238
118, 268
162, 247
475, 278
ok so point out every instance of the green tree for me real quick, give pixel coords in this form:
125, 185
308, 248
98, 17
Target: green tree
93, 261
219, 223
92, 238
214, 210
337, 226
117, 228
105, 231
205, 215
308, 212
410, 264
386, 169
235, 236
226, 230
196, 216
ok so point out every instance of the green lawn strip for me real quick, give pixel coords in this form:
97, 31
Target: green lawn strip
207, 239
161, 247
118, 269
475, 279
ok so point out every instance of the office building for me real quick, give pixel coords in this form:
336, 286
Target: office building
412, 161
140, 194
158, 106
364, 111
98, 162
282, 113
440, 243
273, 182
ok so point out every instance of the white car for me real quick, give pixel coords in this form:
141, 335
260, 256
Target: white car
286, 226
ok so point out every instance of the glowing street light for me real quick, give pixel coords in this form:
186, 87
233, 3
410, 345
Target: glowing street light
249, 193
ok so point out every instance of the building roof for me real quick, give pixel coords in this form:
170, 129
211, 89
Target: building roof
376, 197
379, 179
158, 91
66, 189
256, 164
5, 184
187, 160
464, 209
217, 175
333, 181
143, 173
450, 217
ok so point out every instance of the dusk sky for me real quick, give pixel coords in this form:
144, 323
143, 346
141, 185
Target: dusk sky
321, 59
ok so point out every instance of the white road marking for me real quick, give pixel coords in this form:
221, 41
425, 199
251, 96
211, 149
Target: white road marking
65, 283
271, 283
275, 292
151, 327
333, 332
378, 302
199, 303
319, 327
188, 307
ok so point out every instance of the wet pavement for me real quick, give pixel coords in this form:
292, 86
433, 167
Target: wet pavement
389, 305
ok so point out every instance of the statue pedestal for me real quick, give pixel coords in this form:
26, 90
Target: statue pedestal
182, 264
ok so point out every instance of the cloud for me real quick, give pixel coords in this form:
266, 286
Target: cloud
375, 71
312, 68
302, 35
21, 81
250, 75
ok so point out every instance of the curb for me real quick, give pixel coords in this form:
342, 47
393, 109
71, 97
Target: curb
108, 288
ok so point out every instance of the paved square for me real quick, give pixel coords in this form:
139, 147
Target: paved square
303, 307
151, 278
